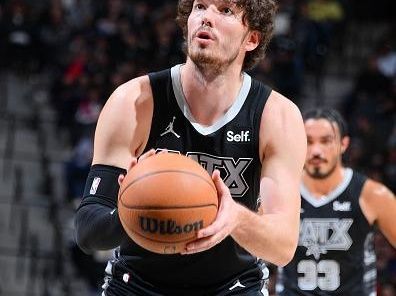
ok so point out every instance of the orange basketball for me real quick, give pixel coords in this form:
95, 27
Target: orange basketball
164, 200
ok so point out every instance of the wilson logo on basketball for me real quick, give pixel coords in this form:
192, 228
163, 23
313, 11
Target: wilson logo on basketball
169, 226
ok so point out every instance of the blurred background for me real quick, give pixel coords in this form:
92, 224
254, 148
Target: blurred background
61, 59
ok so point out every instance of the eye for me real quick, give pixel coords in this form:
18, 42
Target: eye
227, 11
199, 6
327, 141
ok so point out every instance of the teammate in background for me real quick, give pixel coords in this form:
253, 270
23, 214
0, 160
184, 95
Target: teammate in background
335, 253
249, 137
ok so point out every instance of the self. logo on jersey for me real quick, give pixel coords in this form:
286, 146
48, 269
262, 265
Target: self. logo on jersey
342, 206
239, 135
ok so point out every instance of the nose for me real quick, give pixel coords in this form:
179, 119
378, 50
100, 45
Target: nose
208, 17
206, 22
315, 149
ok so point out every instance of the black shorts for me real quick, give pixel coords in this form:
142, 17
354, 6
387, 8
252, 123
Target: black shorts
121, 281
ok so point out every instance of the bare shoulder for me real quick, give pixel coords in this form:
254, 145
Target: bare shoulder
281, 122
122, 126
280, 112
131, 92
375, 200
374, 192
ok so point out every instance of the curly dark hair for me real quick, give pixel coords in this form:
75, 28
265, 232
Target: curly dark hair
257, 15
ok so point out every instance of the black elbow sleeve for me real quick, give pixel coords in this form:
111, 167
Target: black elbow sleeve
97, 226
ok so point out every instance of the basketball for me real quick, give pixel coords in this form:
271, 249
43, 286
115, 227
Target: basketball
164, 200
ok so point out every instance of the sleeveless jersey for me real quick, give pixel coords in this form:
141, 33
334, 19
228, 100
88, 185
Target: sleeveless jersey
230, 145
335, 253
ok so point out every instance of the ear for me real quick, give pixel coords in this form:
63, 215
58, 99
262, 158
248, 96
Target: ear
252, 40
345, 144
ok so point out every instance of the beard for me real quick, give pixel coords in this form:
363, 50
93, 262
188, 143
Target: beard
317, 173
209, 60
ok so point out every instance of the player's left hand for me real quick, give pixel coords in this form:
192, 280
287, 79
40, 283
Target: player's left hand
224, 224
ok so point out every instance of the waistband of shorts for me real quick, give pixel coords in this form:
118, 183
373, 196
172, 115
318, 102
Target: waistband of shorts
120, 270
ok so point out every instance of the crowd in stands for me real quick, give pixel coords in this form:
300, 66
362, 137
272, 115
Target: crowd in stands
88, 48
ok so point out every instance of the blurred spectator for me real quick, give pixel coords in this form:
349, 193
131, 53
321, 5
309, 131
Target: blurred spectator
87, 112
20, 37
284, 66
54, 33
325, 12
78, 13
287, 68
77, 168
370, 110
386, 59
324, 21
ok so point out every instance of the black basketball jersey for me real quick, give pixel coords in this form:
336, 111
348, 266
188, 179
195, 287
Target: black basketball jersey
230, 145
335, 253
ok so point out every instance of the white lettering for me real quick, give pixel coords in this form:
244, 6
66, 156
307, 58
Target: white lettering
243, 136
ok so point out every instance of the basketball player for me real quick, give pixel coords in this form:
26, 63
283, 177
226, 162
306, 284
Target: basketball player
335, 253
249, 137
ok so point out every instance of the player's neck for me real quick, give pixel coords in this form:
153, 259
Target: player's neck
322, 187
210, 94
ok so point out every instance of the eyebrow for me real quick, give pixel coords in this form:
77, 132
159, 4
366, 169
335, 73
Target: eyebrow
228, 2
322, 137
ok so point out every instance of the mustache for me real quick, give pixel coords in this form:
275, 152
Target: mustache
317, 157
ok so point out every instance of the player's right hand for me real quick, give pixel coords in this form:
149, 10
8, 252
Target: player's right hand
224, 224
135, 160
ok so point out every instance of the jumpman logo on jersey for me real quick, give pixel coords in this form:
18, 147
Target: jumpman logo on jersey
236, 285
169, 129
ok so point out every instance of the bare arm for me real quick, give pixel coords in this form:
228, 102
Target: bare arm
120, 136
378, 204
122, 128
271, 234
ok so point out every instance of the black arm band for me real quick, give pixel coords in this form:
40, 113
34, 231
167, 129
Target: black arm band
97, 226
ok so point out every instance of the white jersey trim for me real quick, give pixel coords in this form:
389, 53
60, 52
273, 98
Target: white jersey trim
325, 199
230, 114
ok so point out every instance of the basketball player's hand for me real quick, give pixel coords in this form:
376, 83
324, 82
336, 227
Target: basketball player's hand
224, 224
135, 160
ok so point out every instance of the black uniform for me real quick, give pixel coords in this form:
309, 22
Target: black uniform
230, 145
335, 254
